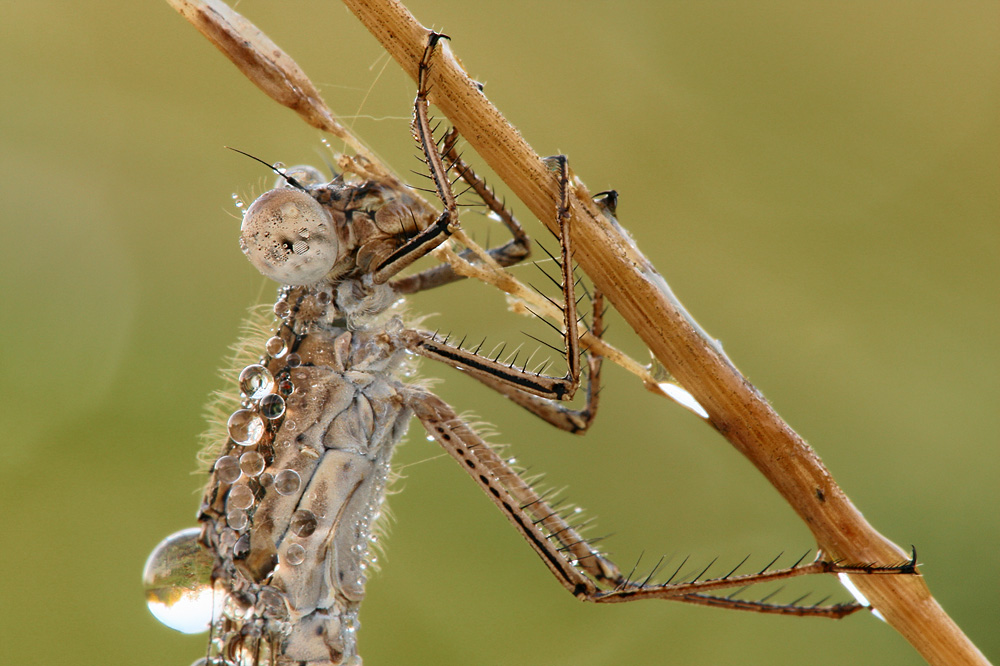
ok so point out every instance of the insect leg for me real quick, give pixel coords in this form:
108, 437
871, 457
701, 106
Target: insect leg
578, 567
555, 412
560, 388
513, 251
431, 237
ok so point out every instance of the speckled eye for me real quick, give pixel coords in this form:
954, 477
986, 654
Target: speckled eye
289, 237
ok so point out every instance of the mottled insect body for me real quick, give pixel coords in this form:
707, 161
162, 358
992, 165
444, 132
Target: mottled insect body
292, 549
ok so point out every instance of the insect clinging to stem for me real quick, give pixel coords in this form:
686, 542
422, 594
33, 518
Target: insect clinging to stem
299, 477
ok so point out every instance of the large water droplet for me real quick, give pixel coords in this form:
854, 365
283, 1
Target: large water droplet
287, 482
256, 381
275, 347
245, 427
303, 523
282, 309
272, 406
227, 469
293, 360
177, 580
251, 463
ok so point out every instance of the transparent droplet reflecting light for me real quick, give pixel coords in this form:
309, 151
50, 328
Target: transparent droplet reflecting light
252, 463
177, 581
272, 406
237, 519
245, 427
287, 482
683, 398
227, 469
240, 497
303, 523
295, 554
275, 347
256, 381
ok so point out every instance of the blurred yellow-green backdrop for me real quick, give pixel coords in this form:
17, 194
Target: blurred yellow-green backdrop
817, 181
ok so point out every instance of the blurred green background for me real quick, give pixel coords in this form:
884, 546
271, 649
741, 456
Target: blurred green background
819, 183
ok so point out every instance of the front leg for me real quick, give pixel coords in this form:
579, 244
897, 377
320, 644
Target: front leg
431, 237
514, 251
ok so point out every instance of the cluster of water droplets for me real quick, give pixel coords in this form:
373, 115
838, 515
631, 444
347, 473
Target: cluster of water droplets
251, 429
177, 575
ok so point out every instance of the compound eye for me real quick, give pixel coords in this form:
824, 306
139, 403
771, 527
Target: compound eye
289, 237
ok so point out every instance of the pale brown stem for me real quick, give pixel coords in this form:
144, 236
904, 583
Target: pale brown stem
736, 409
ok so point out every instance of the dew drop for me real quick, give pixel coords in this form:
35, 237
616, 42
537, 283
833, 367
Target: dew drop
295, 555
290, 425
306, 175
251, 463
282, 309
275, 347
256, 381
266, 480
245, 427
272, 406
237, 519
240, 497
303, 523
177, 581
287, 482
682, 397
278, 166
286, 387
293, 360
227, 469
